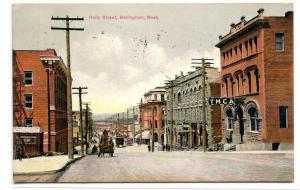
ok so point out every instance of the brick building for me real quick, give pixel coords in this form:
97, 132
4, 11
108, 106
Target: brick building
257, 64
40, 99
151, 115
186, 107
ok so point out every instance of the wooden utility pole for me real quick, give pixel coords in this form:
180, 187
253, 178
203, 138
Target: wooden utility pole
67, 19
133, 123
80, 109
127, 124
152, 129
203, 74
86, 125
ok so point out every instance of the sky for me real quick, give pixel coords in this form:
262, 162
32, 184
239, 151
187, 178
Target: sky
121, 59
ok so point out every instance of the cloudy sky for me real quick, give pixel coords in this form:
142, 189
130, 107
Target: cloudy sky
121, 59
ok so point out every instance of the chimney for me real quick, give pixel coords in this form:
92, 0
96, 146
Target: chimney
232, 29
261, 13
220, 37
181, 73
289, 14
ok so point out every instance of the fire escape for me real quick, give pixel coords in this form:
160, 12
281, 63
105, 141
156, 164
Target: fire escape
19, 112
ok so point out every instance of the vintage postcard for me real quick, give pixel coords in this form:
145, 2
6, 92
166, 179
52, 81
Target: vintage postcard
109, 93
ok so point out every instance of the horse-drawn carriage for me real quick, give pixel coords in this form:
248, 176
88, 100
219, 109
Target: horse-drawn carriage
106, 145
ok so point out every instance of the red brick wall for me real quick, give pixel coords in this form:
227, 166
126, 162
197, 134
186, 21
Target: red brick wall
146, 117
279, 79
275, 79
216, 113
31, 61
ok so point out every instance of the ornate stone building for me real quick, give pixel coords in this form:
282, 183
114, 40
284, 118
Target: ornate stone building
187, 109
257, 64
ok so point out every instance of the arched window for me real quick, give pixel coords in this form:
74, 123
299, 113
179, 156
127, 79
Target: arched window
238, 85
232, 86
229, 119
249, 82
257, 80
253, 117
250, 43
255, 43
179, 97
226, 87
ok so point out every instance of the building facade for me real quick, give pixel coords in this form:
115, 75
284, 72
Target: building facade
257, 64
185, 109
40, 98
151, 115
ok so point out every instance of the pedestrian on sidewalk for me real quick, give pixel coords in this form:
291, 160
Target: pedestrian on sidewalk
149, 147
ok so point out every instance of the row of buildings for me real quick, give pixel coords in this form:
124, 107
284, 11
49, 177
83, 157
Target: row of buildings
40, 102
256, 66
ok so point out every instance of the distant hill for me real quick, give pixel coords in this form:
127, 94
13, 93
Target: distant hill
101, 116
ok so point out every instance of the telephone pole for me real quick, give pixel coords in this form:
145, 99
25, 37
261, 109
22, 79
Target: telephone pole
67, 19
87, 130
133, 123
80, 109
203, 74
152, 128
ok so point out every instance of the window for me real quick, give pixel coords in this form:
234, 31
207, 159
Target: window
155, 96
155, 124
250, 43
283, 115
257, 80
241, 50
29, 139
229, 119
249, 82
28, 100
279, 41
238, 85
226, 87
179, 98
253, 117
232, 86
246, 46
255, 43
162, 97
28, 122
28, 78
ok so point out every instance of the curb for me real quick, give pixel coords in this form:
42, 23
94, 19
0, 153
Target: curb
52, 171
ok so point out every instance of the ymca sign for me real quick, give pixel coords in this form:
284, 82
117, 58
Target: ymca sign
220, 101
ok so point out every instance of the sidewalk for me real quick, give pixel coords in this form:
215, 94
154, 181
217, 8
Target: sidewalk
42, 164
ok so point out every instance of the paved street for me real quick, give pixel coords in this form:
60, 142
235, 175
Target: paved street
134, 166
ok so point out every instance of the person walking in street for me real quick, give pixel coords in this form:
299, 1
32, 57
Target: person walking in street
149, 147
